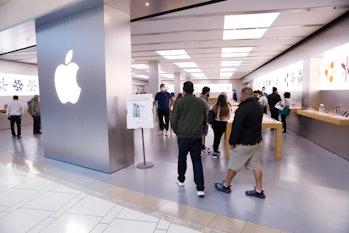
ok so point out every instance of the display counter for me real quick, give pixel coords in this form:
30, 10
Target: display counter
267, 122
327, 117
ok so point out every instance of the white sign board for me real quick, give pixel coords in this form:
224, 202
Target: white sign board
18, 84
140, 111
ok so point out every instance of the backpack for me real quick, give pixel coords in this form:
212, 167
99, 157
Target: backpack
30, 108
211, 117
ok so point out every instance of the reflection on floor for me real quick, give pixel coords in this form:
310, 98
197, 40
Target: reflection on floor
306, 192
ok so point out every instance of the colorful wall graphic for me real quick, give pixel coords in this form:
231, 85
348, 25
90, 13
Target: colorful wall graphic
335, 69
18, 84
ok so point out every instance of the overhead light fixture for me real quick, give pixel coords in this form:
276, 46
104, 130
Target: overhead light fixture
174, 54
198, 75
186, 64
140, 66
236, 52
167, 75
262, 20
243, 34
193, 70
141, 76
225, 75
230, 63
227, 70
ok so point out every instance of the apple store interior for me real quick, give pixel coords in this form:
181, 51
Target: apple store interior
100, 164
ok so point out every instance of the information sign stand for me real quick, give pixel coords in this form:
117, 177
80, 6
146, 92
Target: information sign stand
140, 115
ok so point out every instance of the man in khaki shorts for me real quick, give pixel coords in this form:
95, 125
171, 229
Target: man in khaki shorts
245, 143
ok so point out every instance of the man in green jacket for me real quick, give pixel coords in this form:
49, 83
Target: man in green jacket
188, 120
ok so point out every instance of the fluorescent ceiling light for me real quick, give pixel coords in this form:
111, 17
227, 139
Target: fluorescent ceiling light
186, 64
227, 69
198, 75
243, 34
140, 66
193, 70
230, 63
228, 74
262, 20
174, 54
236, 52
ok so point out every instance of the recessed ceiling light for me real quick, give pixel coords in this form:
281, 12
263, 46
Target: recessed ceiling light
193, 70
174, 54
186, 64
167, 75
198, 75
227, 70
243, 34
141, 76
236, 52
262, 20
147, 4
230, 63
226, 74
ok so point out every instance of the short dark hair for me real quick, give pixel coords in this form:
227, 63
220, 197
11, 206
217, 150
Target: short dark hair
15, 97
162, 85
287, 95
205, 90
274, 89
188, 87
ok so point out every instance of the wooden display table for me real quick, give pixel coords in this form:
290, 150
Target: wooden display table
267, 122
327, 117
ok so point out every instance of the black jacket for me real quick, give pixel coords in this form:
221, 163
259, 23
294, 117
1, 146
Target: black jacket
247, 124
273, 99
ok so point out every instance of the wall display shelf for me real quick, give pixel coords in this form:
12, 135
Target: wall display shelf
327, 117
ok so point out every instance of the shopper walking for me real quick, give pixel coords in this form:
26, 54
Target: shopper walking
274, 98
286, 111
14, 113
205, 93
222, 113
188, 121
164, 101
34, 111
245, 143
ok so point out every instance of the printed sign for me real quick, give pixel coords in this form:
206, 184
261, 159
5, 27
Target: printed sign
140, 111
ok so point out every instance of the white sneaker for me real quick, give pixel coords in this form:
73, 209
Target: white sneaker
200, 193
160, 132
166, 133
180, 184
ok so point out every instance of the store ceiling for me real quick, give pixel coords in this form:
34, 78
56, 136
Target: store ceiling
199, 31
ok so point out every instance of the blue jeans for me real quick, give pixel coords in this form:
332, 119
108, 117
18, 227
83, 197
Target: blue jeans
192, 145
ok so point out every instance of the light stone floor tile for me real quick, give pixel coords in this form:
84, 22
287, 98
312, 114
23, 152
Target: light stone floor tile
41, 226
131, 196
176, 229
92, 206
163, 225
129, 214
65, 208
22, 220
151, 202
50, 201
14, 196
174, 209
9, 180
72, 223
199, 216
112, 214
35, 183
160, 231
227, 224
255, 228
100, 228
64, 189
114, 190
121, 225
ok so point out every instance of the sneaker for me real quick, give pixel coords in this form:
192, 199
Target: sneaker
208, 151
214, 155
221, 187
166, 133
218, 152
254, 193
19, 137
160, 132
180, 184
200, 194
14, 137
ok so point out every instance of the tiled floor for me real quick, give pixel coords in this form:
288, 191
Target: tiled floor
307, 192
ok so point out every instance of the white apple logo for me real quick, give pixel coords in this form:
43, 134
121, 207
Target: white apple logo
65, 80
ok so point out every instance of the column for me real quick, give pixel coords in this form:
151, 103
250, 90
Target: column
177, 83
84, 66
154, 77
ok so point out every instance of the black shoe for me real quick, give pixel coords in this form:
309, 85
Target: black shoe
221, 187
254, 193
19, 137
214, 155
218, 152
